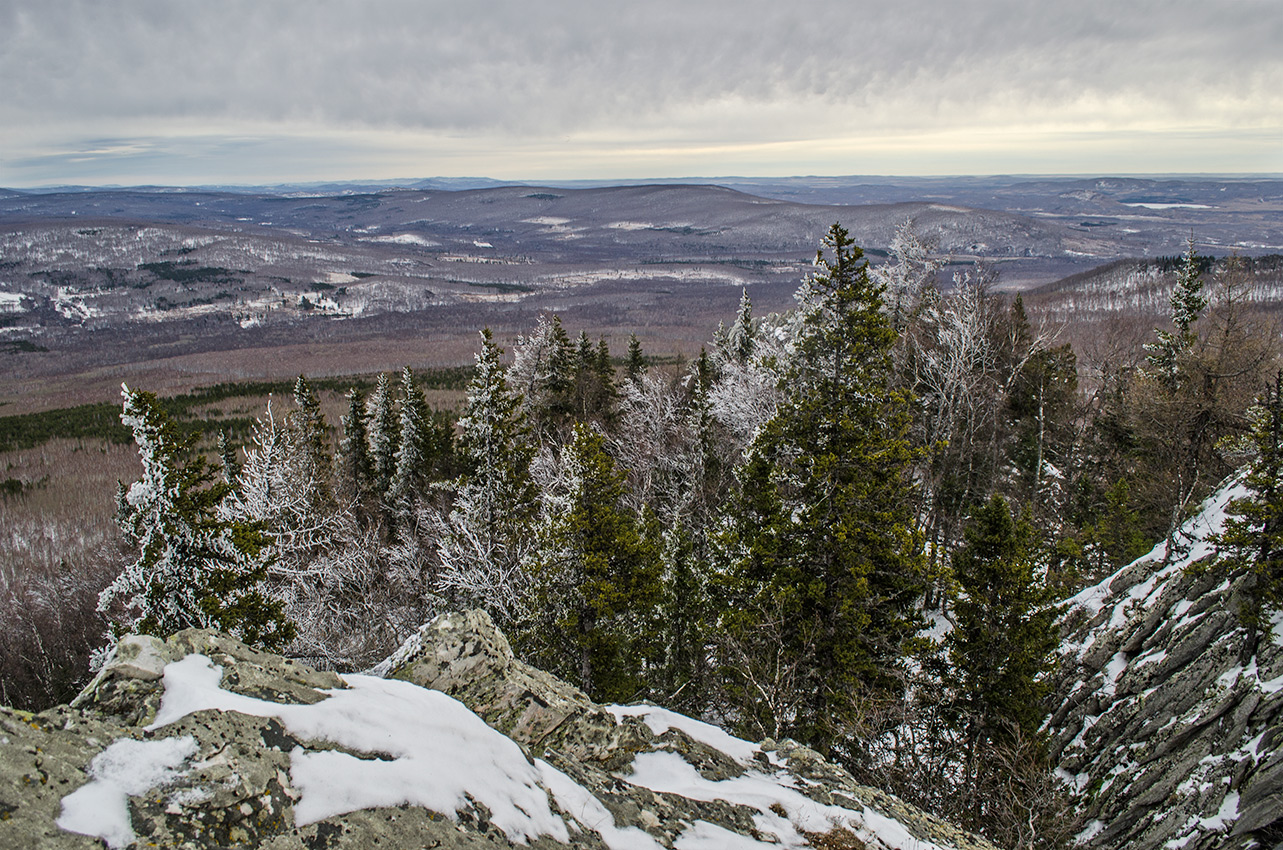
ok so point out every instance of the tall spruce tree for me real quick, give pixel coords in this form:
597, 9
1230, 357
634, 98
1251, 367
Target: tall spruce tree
596, 579
355, 467
384, 435
1187, 303
636, 368
1001, 652
194, 568
489, 533
822, 539
416, 452
1001, 645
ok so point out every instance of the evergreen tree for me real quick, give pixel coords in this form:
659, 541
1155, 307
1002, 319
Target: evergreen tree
739, 339
822, 538
356, 469
384, 436
1001, 651
227, 458
312, 432
194, 568
417, 449
489, 532
636, 368
1253, 537
596, 579
1188, 303
1002, 642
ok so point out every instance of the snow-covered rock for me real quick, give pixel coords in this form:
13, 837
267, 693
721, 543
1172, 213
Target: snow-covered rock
1172, 737
202, 742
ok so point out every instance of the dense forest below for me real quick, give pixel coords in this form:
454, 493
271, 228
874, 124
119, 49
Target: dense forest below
848, 524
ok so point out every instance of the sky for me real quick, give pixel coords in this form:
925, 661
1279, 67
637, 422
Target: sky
184, 92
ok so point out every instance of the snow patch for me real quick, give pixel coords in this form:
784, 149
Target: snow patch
431, 750
405, 239
575, 800
660, 720
667, 772
127, 768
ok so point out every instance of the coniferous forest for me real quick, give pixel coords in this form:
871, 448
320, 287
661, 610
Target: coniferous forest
848, 524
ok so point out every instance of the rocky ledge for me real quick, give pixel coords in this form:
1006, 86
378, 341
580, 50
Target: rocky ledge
200, 742
1172, 736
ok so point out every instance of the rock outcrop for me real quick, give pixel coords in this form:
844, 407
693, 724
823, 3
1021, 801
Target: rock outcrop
1173, 738
202, 742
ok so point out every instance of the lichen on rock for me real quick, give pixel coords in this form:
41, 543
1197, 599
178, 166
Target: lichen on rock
251, 750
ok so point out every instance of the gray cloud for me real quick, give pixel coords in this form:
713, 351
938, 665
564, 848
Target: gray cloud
676, 72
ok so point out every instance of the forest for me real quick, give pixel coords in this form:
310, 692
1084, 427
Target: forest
848, 524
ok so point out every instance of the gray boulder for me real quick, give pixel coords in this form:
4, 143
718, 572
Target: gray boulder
202, 742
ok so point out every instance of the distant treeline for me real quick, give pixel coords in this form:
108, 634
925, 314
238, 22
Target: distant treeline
101, 421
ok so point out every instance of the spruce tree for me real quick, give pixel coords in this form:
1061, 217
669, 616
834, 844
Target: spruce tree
822, 539
1187, 304
1001, 652
416, 450
312, 432
596, 579
194, 569
489, 532
636, 368
384, 436
356, 470
1252, 541
739, 339
1001, 645
231, 466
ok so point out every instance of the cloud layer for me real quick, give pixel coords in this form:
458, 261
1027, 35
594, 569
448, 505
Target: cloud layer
510, 88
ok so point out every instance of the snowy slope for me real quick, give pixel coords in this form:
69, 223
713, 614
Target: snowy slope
1171, 738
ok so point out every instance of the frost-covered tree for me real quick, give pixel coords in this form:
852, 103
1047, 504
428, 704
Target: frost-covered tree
350, 603
417, 449
355, 466
743, 396
907, 275
596, 578
488, 535
384, 435
312, 436
543, 372
741, 336
194, 568
1187, 304
822, 540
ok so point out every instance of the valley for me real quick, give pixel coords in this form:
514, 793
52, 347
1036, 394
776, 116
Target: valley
181, 288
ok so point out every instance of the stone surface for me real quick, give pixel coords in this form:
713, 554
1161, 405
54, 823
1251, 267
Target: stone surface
1173, 741
238, 786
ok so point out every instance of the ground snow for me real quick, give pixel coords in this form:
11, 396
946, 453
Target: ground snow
126, 768
432, 751
426, 749
579, 803
660, 720
668, 772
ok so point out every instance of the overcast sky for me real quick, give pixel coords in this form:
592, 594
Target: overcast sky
255, 91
